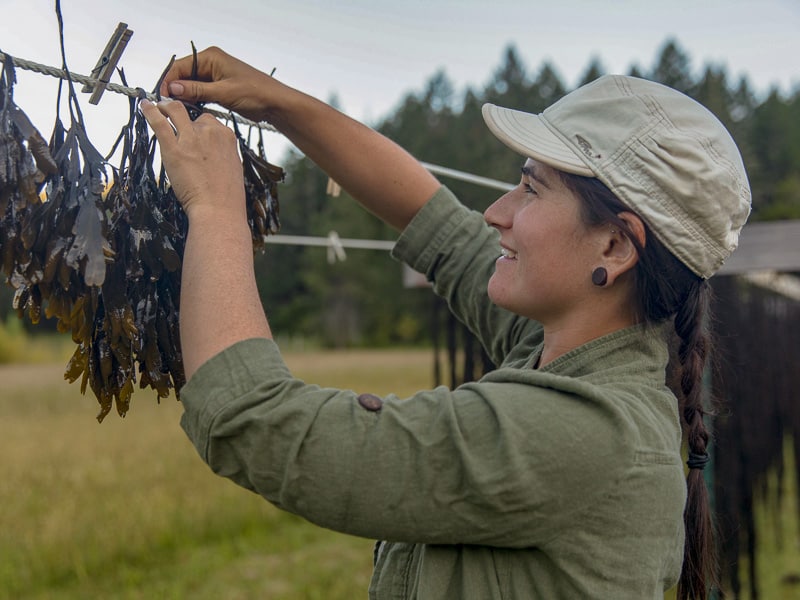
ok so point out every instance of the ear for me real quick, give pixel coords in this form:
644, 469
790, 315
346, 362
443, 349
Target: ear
620, 254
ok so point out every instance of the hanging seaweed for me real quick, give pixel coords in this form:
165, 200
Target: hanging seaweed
135, 317
101, 251
261, 189
24, 162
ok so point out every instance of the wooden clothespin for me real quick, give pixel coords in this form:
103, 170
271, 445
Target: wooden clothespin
335, 248
333, 189
108, 62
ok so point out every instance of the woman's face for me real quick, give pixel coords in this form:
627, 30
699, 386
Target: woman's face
548, 254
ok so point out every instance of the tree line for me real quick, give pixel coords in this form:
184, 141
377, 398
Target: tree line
361, 301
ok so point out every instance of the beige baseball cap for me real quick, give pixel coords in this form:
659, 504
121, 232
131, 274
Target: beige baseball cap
663, 154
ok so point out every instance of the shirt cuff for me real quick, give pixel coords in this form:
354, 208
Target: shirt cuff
224, 378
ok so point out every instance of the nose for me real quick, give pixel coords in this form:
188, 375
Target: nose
499, 213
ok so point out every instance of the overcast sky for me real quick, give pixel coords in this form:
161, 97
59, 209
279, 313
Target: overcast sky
369, 53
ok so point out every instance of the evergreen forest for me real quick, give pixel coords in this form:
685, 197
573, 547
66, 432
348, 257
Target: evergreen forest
361, 301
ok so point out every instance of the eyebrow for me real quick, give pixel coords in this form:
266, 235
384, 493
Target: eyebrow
531, 172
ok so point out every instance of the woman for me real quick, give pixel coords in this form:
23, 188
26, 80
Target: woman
559, 474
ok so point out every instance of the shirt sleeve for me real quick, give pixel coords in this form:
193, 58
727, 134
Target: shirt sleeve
500, 464
456, 250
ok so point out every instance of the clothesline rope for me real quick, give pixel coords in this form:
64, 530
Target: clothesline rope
28, 65
137, 92
765, 279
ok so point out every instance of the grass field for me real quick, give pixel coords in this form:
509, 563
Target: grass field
126, 509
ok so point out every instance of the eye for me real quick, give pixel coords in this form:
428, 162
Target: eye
529, 188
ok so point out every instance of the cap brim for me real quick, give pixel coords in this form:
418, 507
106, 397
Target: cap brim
527, 134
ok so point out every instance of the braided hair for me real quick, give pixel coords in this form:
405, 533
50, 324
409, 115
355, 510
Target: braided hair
667, 289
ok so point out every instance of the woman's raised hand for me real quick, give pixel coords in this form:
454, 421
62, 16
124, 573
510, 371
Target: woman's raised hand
224, 80
378, 173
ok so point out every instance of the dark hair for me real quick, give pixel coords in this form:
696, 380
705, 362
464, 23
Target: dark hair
666, 289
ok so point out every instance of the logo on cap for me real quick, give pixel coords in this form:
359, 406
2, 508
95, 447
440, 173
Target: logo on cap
586, 147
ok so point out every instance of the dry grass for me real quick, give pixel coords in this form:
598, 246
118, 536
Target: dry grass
126, 509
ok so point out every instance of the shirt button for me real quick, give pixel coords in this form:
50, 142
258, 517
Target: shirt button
370, 401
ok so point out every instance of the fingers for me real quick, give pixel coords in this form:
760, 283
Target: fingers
191, 91
175, 112
167, 119
222, 79
180, 69
159, 123
178, 82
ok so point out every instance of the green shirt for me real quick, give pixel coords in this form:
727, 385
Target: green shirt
559, 482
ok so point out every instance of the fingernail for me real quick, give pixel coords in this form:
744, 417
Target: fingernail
175, 88
165, 100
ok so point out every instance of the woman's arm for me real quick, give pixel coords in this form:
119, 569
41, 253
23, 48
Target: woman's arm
378, 173
219, 299
219, 303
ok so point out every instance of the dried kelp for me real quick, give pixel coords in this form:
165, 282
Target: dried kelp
261, 188
24, 162
101, 253
122, 338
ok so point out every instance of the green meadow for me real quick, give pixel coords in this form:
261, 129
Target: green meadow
127, 510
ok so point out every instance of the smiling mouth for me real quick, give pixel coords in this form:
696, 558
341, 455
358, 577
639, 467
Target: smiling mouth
506, 253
